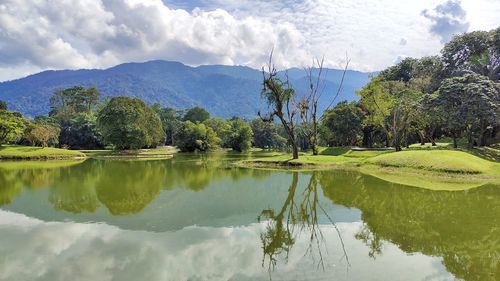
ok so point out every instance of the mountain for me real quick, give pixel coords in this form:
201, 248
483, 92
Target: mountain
225, 91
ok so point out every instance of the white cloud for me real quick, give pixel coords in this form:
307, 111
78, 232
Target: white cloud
96, 251
46, 34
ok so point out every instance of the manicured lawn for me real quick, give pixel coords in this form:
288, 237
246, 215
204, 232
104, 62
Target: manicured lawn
449, 161
30, 152
440, 169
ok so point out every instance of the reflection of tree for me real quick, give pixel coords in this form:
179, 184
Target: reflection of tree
10, 186
128, 186
29, 174
197, 171
462, 227
74, 188
278, 238
295, 217
370, 240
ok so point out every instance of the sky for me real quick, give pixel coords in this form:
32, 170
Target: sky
37, 35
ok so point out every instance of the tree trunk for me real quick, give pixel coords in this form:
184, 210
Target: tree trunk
314, 149
422, 139
397, 142
295, 150
455, 144
482, 133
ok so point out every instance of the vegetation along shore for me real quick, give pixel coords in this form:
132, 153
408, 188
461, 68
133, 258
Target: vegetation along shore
436, 116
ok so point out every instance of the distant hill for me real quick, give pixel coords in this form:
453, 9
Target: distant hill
225, 91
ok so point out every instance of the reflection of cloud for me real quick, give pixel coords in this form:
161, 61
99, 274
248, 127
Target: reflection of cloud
72, 251
448, 19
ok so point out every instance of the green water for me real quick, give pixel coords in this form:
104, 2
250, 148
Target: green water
197, 217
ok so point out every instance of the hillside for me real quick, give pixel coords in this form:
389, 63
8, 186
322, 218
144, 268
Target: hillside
224, 91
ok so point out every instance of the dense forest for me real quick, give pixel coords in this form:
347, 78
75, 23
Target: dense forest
453, 95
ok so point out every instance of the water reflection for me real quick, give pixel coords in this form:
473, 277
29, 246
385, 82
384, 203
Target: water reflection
462, 227
297, 215
122, 186
191, 205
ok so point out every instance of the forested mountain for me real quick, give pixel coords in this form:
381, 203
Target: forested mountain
224, 91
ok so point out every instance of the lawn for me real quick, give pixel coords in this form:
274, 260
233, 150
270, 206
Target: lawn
448, 161
441, 169
30, 152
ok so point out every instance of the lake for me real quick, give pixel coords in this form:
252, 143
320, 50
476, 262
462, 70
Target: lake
198, 217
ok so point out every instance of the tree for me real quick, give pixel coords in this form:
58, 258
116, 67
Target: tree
74, 100
11, 126
469, 104
376, 101
43, 135
342, 125
3, 105
403, 112
196, 114
308, 104
403, 71
128, 123
195, 137
279, 96
170, 119
80, 132
240, 136
222, 129
265, 135
476, 52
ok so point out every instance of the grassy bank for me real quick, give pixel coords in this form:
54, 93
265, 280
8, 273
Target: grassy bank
154, 153
37, 153
437, 169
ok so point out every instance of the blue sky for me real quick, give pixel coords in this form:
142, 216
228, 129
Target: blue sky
37, 35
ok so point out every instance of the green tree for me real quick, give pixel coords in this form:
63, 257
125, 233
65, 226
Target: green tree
342, 125
128, 123
80, 132
11, 126
240, 137
74, 100
170, 119
3, 105
377, 101
469, 104
43, 135
222, 129
403, 113
476, 52
195, 137
196, 114
265, 135
403, 71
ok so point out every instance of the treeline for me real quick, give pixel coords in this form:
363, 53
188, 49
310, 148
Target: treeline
455, 95
78, 120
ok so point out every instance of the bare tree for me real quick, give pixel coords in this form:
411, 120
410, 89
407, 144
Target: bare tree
308, 104
279, 96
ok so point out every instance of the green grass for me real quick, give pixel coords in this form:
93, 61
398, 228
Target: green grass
448, 161
441, 169
428, 145
30, 152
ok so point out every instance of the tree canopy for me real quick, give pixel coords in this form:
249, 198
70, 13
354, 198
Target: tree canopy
128, 123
